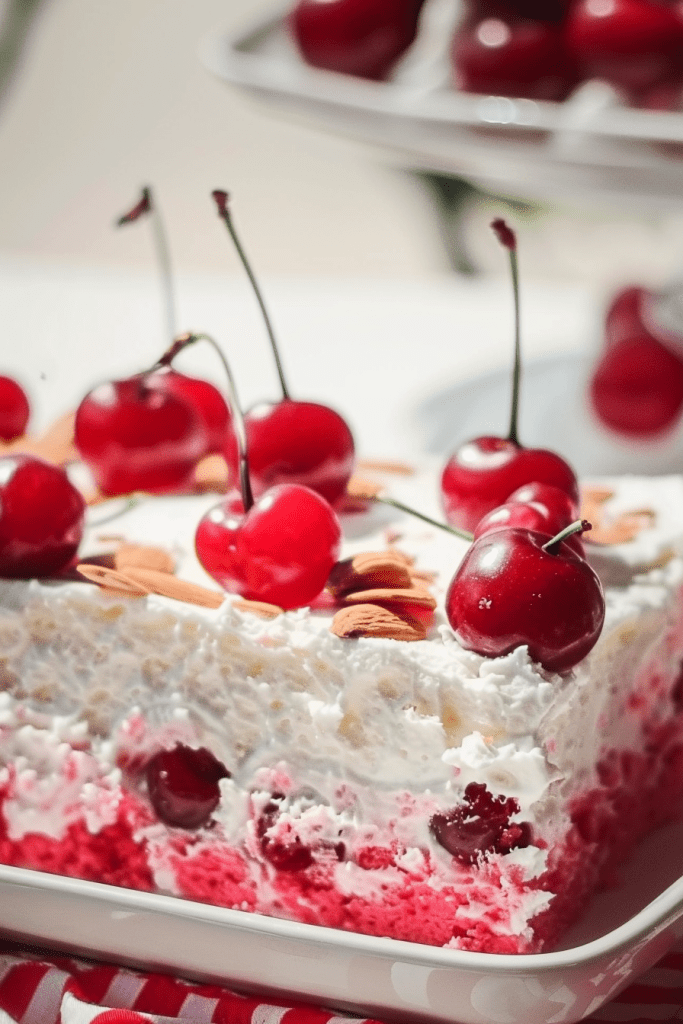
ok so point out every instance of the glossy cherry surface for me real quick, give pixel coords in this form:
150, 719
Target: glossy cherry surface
207, 402
510, 56
637, 387
539, 10
483, 473
529, 515
509, 592
183, 785
297, 442
634, 44
14, 409
479, 826
137, 436
41, 518
281, 551
355, 37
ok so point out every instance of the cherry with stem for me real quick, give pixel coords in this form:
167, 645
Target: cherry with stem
290, 441
279, 547
206, 400
483, 472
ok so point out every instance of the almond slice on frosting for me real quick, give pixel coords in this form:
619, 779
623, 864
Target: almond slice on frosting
370, 620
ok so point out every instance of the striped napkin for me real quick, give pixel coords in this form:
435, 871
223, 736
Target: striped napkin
38, 988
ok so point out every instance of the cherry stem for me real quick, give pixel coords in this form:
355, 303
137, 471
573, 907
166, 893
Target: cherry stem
463, 534
221, 200
178, 345
579, 526
507, 239
146, 206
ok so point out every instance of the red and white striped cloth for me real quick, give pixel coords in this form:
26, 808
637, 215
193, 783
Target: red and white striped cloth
51, 989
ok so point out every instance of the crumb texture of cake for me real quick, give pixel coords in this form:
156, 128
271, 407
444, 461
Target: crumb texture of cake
414, 789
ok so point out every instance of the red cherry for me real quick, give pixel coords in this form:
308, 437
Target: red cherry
280, 551
207, 402
511, 56
290, 442
297, 442
355, 37
137, 436
14, 409
480, 826
539, 10
624, 317
41, 518
634, 44
517, 587
528, 515
484, 472
556, 500
637, 387
183, 785
286, 853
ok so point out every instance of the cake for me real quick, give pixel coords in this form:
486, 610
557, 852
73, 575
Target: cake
354, 773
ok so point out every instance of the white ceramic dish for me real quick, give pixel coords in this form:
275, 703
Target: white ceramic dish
589, 145
624, 932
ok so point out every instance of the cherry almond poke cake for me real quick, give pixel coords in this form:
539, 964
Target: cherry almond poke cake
299, 698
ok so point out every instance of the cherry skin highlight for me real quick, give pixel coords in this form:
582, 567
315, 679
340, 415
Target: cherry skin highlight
355, 37
483, 473
637, 387
510, 56
41, 518
14, 409
183, 785
529, 515
633, 44
297, 442
509, 592
137, 436
280, 551
207, 402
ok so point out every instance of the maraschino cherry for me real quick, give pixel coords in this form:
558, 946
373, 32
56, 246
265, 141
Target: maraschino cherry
482, 473
206, 399
291, 441
41, 518
280, 548
538, 507
355, 37
480, 826
14, 409
183, 785
519, 587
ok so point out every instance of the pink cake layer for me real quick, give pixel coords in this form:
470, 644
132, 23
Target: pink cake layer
637, 792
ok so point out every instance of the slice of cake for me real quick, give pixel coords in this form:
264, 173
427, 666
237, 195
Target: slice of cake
328, 765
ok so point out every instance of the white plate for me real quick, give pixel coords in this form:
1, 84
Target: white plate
624, 932
554, 414
587, 145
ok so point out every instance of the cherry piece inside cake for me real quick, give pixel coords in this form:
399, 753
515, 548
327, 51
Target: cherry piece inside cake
350, 764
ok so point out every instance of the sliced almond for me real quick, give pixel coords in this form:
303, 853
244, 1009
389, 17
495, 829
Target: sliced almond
360, 487
367, 570
369, 620
624, 528
385, 466
212, 474
141, 557
387, 596
166, 585
111, 580
595, 495
260, 608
